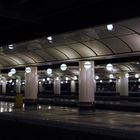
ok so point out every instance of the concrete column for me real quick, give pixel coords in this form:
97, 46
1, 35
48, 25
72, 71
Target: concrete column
86, 85
123, 86
95, 85
31, 87
18, 85
57, 86
3, 85
73, 86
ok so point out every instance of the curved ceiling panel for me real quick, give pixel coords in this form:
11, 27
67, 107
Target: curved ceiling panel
56, 53
83, 50
7, 60
117, 45
3, 63
27, 59
17, 59
45, 55
35, 57
69, 52
133, 41
98, 47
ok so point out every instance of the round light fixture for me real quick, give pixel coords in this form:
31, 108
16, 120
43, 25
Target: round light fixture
101, 81
109, 67
139, 79
11, 47
13, 71
43, 79
111, 76
49, 71
136, 76
75, 78
27, 69
96, 77
87, 65
126, 75
110, 80
110, 27
63, 67
10, 74
49, 38
48, 79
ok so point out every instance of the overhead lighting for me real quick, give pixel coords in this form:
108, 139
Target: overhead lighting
39, 82
136, 75
11, 47
43, 79
27, 69
67, 78
1, 81
101, 81
75, 78
49, 71
63, 67
13, 71
48, 79
111, 76
62, 82
110, 80
110, 27
49, 38
126, 75
10, 74
109, 67
10, 81
87, 65
139, 79
96, 77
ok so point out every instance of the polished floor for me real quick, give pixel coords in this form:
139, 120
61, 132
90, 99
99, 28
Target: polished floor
125, 124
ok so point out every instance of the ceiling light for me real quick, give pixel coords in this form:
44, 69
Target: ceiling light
109, 67
136, 76
11, 47
87, 65
139, 79
110, 80
110, 27
101, 81
67, 78
13, 71
111, 76
96, 77
49, 71
10, 74
49, 38
43, 79
27, 69
75, 78
126, 75
63, 67
48, 79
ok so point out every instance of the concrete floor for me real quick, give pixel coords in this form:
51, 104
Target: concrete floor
124, 124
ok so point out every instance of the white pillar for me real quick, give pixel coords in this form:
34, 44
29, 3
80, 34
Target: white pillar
31, 85
123, 85
4, 85
57, 86
18, 85
73, 86
86, 85
95, 85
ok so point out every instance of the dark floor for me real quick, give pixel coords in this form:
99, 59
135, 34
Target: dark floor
47, 120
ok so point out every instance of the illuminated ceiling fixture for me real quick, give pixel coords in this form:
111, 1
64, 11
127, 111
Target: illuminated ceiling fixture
75, 78
87, 65
109, 67
111, 76
43, 79
67, 78
49, 71
10, 74
139, 79
101, 81
136, 76
27, 69
126, 75
63, 67
49, 38
110, 80
48, 79
96, 77
13, 71
11, 47
110, 27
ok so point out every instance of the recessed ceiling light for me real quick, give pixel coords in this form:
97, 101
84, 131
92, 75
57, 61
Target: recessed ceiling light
110, 27
49, 38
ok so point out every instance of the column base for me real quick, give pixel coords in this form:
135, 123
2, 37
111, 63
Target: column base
123, 98
86, 107
30, 103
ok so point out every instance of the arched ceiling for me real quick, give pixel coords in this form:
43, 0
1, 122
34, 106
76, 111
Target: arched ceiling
92, 43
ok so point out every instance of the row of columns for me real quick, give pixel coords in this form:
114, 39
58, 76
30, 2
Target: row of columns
87, 85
